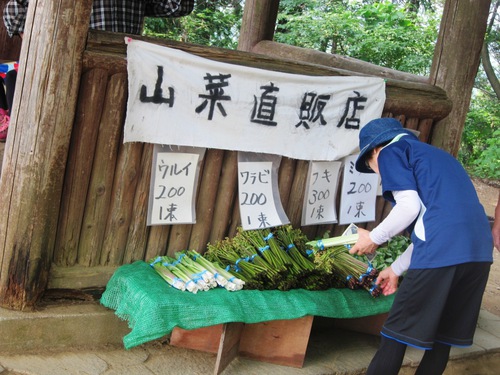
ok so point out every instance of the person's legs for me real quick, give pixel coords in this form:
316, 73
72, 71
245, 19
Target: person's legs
3, 97
434, 361
388, 358
10, 85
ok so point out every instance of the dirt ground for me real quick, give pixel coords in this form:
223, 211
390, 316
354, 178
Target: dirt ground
488, 195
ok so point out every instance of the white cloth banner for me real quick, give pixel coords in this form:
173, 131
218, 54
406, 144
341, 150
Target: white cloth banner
182, 99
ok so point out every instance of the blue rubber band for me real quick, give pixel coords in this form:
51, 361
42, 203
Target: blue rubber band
262, 249
309, 252
157, 260
290, 246
320, 245
268, 237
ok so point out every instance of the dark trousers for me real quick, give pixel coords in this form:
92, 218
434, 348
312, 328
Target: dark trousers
7, 88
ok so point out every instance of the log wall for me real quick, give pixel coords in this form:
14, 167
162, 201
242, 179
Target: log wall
102, 220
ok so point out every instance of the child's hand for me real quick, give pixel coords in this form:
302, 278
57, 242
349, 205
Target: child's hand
364, 245
388, 281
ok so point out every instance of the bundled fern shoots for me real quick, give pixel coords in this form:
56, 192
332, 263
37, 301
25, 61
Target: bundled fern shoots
269, 260
354, 273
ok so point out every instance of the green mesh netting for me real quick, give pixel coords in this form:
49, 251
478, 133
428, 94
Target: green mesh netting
153, 308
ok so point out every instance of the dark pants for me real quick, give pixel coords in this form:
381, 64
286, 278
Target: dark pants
7, 88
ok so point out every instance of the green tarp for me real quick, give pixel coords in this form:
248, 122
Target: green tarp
153, 308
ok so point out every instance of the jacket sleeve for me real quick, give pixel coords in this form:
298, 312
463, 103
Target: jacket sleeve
168, 8
14, 16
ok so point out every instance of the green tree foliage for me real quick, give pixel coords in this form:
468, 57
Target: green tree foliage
213, 23
480, 146
380, 32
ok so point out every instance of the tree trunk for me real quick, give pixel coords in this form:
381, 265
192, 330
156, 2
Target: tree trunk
455, 64
37, 146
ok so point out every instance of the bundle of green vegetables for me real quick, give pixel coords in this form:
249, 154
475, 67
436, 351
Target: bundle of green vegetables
281, 258
355, 273
268, 260
190, 271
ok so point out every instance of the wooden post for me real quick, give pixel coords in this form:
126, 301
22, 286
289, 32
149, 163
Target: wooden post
259, 20
37, 146
455, 64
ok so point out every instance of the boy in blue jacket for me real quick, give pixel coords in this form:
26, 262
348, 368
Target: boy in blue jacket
447, 265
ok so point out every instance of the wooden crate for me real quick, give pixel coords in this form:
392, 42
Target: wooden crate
283, 342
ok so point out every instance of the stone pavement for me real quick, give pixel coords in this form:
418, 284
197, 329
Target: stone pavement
88, 341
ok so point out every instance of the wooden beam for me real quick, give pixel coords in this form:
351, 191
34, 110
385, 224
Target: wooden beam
37, 146
284, 51
258, 23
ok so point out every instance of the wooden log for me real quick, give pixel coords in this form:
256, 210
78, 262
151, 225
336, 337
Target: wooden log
179, 238
207, 195
289, 52
425, 129
296, 200
112, 63
226, 196
285, 180
79, 277
121, 207
137, 240
103, 170
81, 156
157, 241
34, 163
236, 220
258, 23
